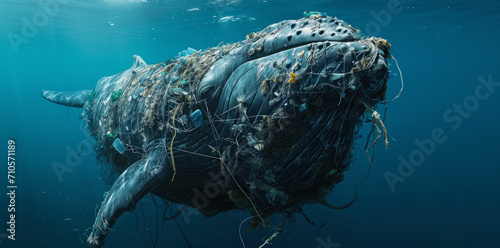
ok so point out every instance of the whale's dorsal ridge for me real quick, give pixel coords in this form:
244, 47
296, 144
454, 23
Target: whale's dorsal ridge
138, 62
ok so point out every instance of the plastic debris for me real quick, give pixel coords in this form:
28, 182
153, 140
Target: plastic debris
137, 92
268, 199
196, 118
251, 141
331, 172
390, 75
269, 176
187, 52
112, 134
177, 91
91, 96
292, 78
309, 14
119, 146
302, 107
116, 95
336, 76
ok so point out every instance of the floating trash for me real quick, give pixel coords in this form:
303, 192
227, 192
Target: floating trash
187, 52
137, 92
302, 107
196, 118
116, 95
390, 75
309, 14
119, 146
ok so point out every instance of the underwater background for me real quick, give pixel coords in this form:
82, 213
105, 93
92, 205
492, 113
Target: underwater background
437, 185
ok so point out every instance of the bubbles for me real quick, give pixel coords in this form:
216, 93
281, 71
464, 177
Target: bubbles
239, 18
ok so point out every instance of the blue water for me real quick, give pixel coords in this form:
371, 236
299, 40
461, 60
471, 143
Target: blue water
451, 199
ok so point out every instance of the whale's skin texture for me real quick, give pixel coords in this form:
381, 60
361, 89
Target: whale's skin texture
279, 114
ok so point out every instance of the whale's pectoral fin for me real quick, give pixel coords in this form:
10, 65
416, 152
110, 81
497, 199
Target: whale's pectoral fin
67, 98
134, 183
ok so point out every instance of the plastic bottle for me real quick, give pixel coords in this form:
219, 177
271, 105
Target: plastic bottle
196, 117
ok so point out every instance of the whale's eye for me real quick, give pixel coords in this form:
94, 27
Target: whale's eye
206, 93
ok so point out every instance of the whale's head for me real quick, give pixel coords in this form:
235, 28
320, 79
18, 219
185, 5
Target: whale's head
294, 96
319, 53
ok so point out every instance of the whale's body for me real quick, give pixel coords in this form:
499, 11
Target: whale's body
266, 124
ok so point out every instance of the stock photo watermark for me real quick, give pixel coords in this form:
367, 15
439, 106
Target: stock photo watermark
11, 189
326, 244
454, 116
32, 25
202, 198
382, 18
72, 160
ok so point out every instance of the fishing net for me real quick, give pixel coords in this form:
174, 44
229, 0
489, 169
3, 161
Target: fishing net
284, 140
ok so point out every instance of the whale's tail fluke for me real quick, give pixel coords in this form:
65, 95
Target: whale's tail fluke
67, 98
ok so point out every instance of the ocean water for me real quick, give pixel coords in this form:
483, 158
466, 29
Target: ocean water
446, 195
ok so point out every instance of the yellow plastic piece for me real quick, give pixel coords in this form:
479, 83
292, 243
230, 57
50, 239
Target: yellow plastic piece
292, 78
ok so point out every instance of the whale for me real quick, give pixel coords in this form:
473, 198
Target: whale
264, 125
